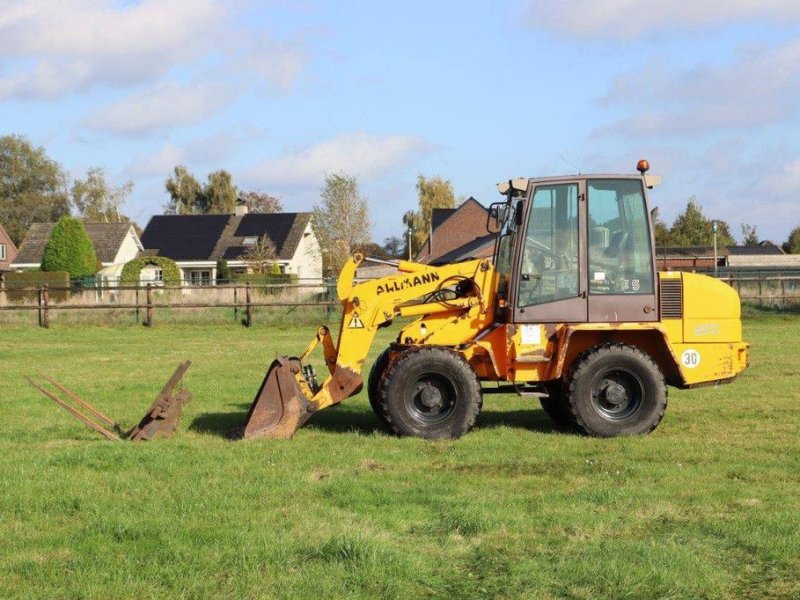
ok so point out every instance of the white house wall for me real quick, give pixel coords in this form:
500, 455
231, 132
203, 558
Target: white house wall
307, 260
128, 249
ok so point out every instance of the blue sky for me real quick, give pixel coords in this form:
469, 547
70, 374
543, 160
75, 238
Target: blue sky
280, 93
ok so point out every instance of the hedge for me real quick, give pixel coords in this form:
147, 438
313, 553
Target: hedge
69, 249
35, 279
266, 278
170, 273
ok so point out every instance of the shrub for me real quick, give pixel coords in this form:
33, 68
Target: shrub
170, 272
223, 271
69, 249
16, 282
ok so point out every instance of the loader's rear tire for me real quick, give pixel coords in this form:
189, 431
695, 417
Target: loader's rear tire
556, 406
374, 382
430, 392
615, 390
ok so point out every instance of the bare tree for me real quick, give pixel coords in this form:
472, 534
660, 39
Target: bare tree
96, 200
261, 255
341, 220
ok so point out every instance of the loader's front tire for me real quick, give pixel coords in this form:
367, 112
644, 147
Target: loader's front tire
374, 383
430, 392
614, 390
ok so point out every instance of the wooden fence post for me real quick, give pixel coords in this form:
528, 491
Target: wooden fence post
235, 303
44, 312
149, 319
248, 319
138, 283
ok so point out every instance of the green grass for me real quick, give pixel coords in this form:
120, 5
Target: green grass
706, 506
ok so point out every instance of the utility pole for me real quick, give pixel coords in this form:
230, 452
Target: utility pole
714, 229
409, 243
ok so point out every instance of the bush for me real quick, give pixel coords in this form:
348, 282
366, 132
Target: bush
223, 271
170, 272
69, 249
16, 282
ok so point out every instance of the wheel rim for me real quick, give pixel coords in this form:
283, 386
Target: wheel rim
617, 394
431, 398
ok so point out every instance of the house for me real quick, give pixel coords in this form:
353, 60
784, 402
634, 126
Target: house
453, 229
198, 242
114, 243
8, 251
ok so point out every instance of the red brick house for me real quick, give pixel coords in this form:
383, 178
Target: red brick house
454, 229
8, 251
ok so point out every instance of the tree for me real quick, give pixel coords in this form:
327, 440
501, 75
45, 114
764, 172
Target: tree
394, 246
692, 228
69, 249
372, 249
260, 256
33, 187
792, 245
432, 193
185, 193
662, 233
219, 194
261, 202
341, 220
95, 200
188, 196
749, 235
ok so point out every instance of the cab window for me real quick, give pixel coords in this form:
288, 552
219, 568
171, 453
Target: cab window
620, 254
550, 270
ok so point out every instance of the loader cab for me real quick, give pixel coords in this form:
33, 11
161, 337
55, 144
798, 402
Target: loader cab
575, 250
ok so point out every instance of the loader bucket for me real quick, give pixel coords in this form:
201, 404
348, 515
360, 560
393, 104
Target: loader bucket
280, 407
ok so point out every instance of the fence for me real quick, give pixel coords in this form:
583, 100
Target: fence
246, 303
310, 301
765, 288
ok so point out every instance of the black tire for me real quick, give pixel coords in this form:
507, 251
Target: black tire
430, 392
374, 382
615, 390
556, 406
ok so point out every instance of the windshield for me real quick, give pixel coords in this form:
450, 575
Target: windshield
505, 250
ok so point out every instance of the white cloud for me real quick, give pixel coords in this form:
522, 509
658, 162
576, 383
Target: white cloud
361, 154
277, 63
54, 47
627, 19
154, 164
758, 88
163, 106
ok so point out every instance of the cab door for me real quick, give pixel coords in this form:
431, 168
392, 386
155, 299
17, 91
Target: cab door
621, 268
550, 257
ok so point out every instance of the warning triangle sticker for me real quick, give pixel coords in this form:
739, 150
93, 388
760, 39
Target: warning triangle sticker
356, 322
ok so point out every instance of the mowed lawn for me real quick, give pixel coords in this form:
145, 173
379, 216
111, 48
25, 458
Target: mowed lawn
706, 506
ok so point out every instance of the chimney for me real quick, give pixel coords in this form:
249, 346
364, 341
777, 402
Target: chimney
241, 208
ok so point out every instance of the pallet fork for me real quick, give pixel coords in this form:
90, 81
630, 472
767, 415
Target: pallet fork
160, 420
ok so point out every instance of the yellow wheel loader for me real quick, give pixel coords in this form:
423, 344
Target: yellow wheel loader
570, 310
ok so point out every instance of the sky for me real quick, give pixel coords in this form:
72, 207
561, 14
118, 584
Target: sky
280, 93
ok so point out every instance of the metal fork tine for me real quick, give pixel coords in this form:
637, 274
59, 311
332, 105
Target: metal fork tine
83, 403
77, 414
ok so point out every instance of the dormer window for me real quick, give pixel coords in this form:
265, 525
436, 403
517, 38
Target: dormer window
250, 240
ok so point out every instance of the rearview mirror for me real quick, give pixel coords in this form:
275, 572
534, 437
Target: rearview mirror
497, 216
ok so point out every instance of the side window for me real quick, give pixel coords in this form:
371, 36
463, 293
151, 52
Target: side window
550, 268
620, 254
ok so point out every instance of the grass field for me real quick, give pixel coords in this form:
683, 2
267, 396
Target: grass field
706, 506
